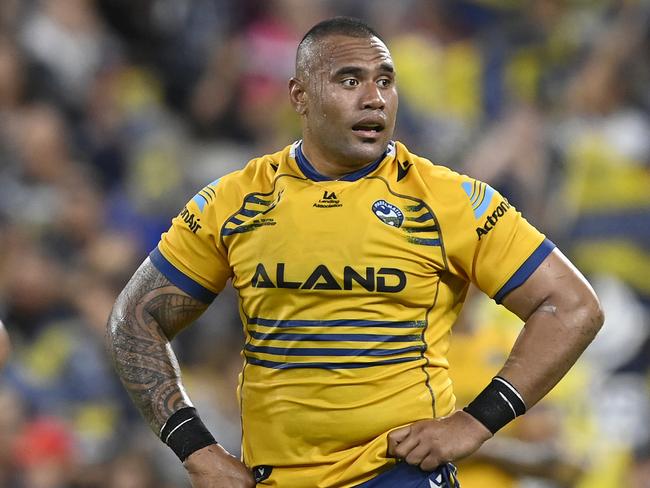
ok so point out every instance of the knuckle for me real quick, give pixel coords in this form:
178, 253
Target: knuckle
400, 452
413, 459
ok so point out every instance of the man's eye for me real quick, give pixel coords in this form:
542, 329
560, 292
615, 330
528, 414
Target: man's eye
350, 82
384, 82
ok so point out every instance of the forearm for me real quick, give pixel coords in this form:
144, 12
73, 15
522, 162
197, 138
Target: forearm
147, 366
146, 315
562, 316
547, 347
556, 332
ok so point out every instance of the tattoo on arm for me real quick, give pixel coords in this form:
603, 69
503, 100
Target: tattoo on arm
149, 312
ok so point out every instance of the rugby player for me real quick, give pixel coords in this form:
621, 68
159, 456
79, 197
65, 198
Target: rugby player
352, 257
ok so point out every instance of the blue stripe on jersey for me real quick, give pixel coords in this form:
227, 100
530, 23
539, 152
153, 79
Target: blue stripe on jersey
310, 172
184, 282
249, 213
239, 230
480, 191
485, 203
235, 221
526, 269
333, 351
256, 200
328, 365
414, 230
200, 202
421, 218
424, 242
419, 324
468, 188
480, 196
334, 337
415, 208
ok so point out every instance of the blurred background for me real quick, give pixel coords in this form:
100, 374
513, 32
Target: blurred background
113, 113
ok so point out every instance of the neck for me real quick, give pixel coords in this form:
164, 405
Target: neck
329, 166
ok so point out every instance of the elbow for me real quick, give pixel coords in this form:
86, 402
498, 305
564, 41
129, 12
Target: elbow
598, 315
578, 309
112, 325
590, 311
115, 323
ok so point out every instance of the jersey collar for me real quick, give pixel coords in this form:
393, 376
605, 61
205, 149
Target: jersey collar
310, 172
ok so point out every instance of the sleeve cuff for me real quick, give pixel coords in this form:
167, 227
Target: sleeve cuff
526, 269
178, 278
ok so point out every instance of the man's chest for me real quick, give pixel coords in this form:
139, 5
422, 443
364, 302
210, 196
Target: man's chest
347, 237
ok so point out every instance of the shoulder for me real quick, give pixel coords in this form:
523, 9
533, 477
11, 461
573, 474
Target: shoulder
259, 173
225, 194
257, 176
458, 200
441, 181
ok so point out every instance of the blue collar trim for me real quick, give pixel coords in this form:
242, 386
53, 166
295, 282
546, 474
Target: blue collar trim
310, 172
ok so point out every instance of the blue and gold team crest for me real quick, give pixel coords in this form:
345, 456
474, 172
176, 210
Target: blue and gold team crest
388, 213
480, 195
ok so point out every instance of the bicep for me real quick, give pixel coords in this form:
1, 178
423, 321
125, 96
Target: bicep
556, 284
149, 292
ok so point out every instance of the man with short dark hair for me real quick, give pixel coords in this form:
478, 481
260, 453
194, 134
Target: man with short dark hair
352, 258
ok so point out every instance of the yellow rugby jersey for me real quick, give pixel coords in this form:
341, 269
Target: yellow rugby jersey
348, 290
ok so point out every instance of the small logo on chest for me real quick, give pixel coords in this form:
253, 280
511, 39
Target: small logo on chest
388, 213
328, 200
261, 473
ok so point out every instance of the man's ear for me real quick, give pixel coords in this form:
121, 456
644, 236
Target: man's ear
298, 95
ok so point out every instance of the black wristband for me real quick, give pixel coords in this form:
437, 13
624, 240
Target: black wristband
185, 433
497, 405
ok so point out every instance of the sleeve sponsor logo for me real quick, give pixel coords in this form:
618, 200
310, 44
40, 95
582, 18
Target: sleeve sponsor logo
492, 219
480, 196
192, 221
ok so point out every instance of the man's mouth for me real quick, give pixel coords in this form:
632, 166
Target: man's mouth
368, 129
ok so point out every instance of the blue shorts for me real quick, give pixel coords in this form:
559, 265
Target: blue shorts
407, 476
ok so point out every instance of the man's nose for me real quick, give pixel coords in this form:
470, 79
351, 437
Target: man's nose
372, 97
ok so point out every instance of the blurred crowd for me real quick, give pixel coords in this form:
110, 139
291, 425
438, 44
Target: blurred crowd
113, 113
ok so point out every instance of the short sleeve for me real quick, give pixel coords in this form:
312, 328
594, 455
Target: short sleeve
494, 245
190, 254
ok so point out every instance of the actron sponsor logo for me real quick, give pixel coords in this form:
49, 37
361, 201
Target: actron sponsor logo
492, 219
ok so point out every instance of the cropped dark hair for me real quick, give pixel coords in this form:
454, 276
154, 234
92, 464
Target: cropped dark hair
345, 26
